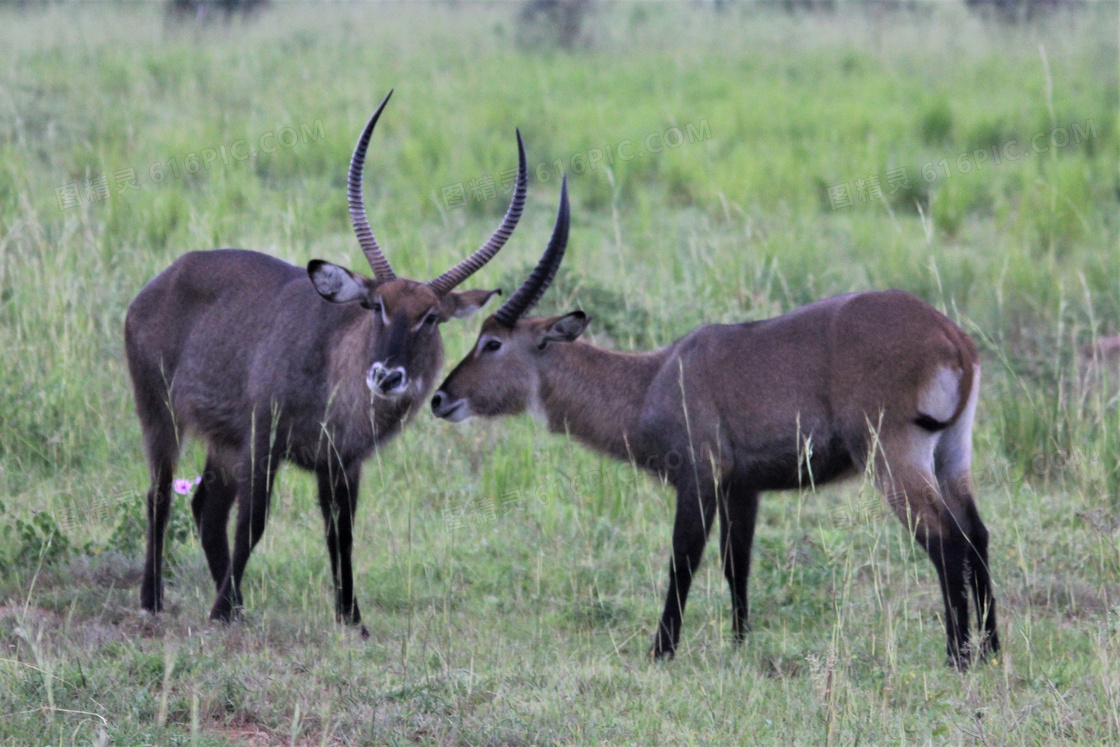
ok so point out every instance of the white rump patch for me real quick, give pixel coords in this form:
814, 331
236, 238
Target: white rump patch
955, 447
940, 396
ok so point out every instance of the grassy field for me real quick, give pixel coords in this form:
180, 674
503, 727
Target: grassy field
511, 579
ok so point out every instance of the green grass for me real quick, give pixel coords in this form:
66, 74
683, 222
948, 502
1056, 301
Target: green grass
529, 621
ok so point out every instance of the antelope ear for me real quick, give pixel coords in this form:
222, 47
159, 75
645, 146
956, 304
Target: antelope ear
336, 284
461, 304
564, 328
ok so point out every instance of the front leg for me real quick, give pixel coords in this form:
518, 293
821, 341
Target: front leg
695, 512
738, 511
338, 500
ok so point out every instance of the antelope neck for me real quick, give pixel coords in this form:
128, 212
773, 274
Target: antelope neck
597, 395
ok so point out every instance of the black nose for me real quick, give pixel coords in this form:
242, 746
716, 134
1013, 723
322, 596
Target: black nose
437, 400
391, 381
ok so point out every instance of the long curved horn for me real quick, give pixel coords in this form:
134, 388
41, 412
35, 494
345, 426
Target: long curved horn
473, 263
377, 261
533, 288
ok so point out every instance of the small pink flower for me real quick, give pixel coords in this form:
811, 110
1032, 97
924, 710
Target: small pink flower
182, 487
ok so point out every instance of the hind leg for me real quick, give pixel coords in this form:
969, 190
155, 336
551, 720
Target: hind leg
904, 472
952, 463
211, 506
949, 552
255, 471
738, 508
158, 513
981, 580
162, 445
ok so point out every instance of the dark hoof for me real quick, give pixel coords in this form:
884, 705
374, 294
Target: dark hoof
664, 642
363, 632
662, 649
351, 617
989, 647
149, 600
224, 613
959, 659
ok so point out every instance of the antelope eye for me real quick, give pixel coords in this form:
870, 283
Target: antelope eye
431, 318
376, 307
491, 346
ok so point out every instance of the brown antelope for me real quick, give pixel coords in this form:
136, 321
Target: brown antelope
731, 410
266, 362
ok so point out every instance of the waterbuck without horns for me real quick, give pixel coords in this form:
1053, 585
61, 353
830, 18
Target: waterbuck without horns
729, 411
264, 362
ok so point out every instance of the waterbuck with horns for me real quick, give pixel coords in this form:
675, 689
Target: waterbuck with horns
265, 362
729, 411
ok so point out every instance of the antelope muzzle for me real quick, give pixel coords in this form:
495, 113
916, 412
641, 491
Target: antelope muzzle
450, 408
387, 381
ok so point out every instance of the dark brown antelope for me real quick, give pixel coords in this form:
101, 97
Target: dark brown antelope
265, 362
731, 410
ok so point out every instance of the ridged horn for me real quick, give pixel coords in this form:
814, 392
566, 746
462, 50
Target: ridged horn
366, 239
485, 253
530, 292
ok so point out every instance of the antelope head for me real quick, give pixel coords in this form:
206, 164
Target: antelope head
405, 314
500, 376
